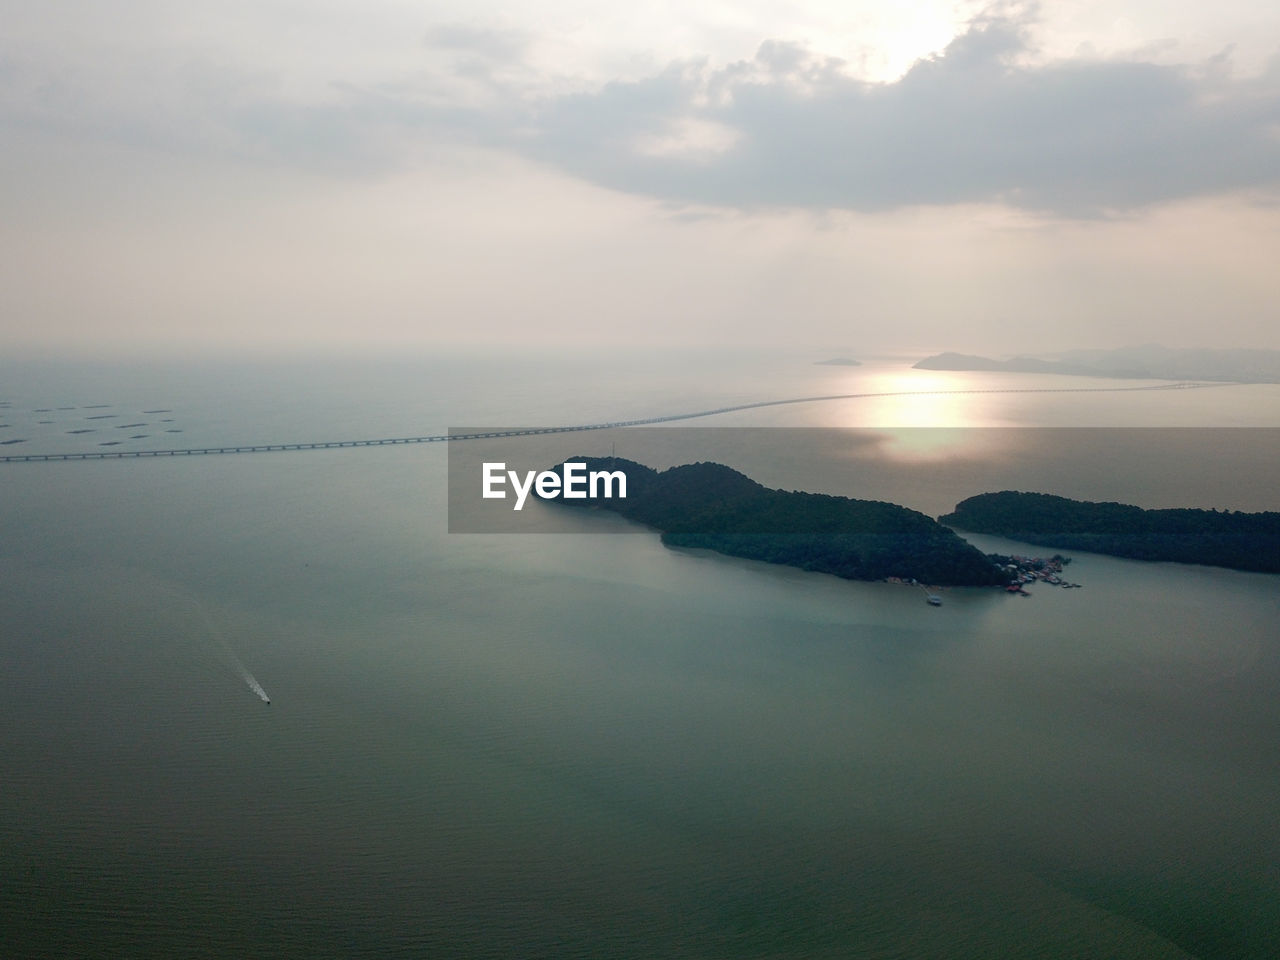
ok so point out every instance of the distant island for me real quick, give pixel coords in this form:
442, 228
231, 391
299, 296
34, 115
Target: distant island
964, 361
1149, 362
1238, 541
838, 362
713, 507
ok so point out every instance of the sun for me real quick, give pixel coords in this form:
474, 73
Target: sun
891, 38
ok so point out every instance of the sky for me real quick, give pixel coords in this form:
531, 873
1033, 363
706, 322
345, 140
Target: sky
862, 177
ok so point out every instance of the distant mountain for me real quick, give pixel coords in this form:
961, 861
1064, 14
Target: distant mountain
713, 507
1139, 363
1240, 541
964, 361
838, 362
1165, 363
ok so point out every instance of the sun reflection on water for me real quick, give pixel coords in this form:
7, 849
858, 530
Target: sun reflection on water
926, 415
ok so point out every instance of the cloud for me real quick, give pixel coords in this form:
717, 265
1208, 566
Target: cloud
479, 42
985, 121
979, 123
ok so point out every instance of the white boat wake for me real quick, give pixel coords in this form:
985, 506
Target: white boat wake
246, 676
236, 663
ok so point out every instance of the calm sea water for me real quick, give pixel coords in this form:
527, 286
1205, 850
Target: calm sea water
592, 746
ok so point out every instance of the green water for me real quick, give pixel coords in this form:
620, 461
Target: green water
591, 746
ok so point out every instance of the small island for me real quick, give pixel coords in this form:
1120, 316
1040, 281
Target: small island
714, 507
1238, 541
838, 362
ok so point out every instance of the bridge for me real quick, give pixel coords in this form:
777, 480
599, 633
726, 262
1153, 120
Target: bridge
532, 431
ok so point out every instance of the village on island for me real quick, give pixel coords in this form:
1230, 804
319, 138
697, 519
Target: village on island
1021, 570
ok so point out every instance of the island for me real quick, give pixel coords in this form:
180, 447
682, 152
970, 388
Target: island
1148, 362
713, 507
838, 362
1238, 541
965, 361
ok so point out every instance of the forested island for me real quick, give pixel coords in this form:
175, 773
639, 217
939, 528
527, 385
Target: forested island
1239, 541
713, 507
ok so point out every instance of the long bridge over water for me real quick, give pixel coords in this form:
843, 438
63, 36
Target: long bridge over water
531, 431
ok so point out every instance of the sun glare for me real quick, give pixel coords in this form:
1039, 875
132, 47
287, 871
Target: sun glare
910, 32
926, 414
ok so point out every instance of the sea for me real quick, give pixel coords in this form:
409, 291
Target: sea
569, 741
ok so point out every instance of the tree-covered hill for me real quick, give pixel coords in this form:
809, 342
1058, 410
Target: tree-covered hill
1241, 541
713, 507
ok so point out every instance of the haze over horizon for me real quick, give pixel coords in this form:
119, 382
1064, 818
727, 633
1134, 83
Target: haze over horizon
1001, 179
